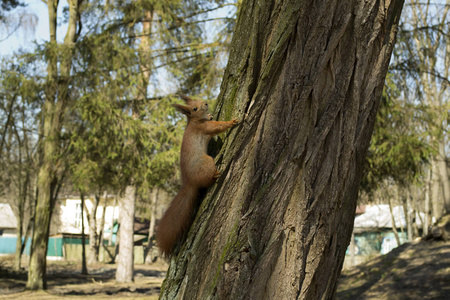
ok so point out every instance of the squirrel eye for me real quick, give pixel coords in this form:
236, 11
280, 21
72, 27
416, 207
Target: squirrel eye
195, 108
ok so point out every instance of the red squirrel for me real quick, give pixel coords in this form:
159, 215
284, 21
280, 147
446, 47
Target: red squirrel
197, 171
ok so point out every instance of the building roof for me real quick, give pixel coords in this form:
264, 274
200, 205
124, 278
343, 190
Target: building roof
7, 217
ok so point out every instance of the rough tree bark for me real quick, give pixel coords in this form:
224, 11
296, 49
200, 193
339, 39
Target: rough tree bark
305, 79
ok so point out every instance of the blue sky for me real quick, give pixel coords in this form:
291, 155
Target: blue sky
23, 38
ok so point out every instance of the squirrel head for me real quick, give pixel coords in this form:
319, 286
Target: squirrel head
193, 109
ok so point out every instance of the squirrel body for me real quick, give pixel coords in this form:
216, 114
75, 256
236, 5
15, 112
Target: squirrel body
197, 171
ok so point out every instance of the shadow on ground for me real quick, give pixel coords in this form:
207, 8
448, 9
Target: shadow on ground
413, 271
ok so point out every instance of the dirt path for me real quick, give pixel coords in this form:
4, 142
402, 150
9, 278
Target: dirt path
65, 280
413, 271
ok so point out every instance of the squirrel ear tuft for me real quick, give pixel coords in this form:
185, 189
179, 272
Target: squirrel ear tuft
185, 98
182, 109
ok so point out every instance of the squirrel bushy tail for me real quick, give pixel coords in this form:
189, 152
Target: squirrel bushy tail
176, 220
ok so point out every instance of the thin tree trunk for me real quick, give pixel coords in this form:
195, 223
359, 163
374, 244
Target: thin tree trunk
18, 253
443, 176
426, 222
406, 208
352, 248
27, 186
112, 221
125, 265
400, 217
22, 185
27, 234
435, 187
306, 80
9, 119
394, 226
102, 224
84, 270
20, 221
93, 236
116, 247
151, 229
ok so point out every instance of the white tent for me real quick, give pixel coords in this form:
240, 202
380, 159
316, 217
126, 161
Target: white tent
379, 216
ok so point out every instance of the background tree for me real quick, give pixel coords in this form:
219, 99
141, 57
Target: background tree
399, 146
423, 57
398, 154
306, 80
412, 121
51, 169
19, 95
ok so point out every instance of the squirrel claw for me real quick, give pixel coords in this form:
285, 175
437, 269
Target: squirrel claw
216, 175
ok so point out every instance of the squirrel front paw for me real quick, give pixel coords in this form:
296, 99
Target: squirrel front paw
235, 121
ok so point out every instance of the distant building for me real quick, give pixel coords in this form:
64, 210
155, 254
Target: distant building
373, 233
65, 226
65, 230
8, 220
70, 215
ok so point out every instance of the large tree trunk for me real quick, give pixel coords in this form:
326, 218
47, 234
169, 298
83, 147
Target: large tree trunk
305, 79
54, 107
125, 267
